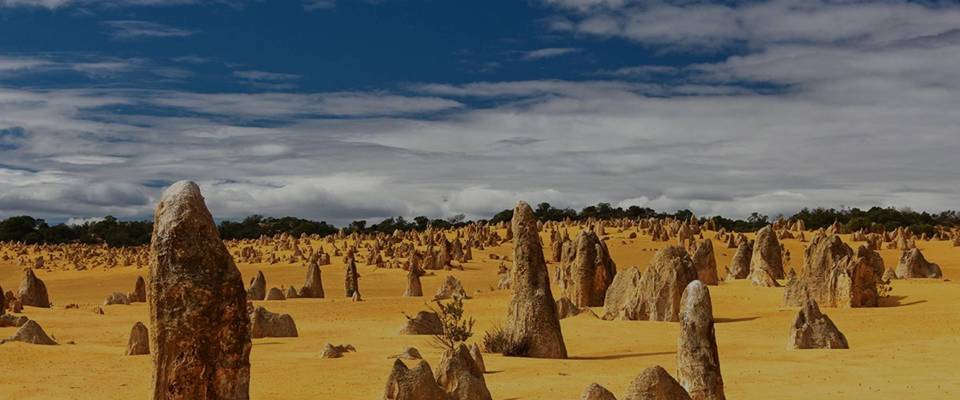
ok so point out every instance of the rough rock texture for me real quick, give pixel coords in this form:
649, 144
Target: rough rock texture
566, 308
698, 361
275, 294
32, 333
814, 330
740, 264
331, 351
655, 383
291, 293
313, 284
139, 293
622, 289
834, 275
657, 294
33, 292
200, 333
532, 316
767, 254
267, 324
417, 383
912, 265
459, 376
139, 343
414, 287
705, 262
116, 298
424, 323
8, 320
451, 288
258, 287
590, 272
351, 278
478, 358
597, 392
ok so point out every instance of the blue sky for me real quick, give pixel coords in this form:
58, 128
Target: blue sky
366, 109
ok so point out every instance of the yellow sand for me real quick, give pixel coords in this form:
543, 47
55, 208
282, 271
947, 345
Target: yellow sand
907, 349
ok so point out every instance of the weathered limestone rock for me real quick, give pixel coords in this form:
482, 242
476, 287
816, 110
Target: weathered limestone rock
291, 293
657, 294
655, 383
116, 298
740, 264
767, 254
566, 308
313, 284
913, 265
267, 324
200, 334
834, 275
331, 351
459, 376
597, 392
413, 384
451, 288
478, 358
275, 294
8, 320
622, 289
139, 343
698, 360
139, 293
532, 316
424, 323
705, 262
258, 287
351, 284
32, 333
591, 271
814, 330
414, 287
33, 292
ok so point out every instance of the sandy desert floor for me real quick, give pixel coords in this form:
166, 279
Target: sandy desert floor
905, 349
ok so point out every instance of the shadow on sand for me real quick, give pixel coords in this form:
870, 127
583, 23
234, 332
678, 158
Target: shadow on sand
897, 301
728, 320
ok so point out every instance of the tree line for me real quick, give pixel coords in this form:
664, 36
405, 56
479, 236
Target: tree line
116, 233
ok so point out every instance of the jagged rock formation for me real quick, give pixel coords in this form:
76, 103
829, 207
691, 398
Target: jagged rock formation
139, 293
740, 264
451, 288
587, 271
834, 275
459, 376
532, 316
417, 383
33, 292
656, 294
814, 330
313, 284
268, 324
331, 351
424, 323
32, 333
116, 298
139, 343
767, 258
913, 265
258, 287
705, 262
198, 306
414, 287
698, 360
655, 383
597, 392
